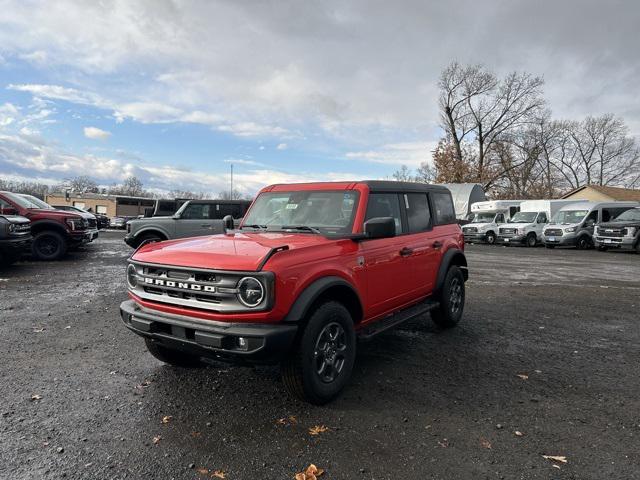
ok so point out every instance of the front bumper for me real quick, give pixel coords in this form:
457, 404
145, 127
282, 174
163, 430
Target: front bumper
512, 239
475, 237
16, 245
86, 236
264, 343
615, 242
567, 239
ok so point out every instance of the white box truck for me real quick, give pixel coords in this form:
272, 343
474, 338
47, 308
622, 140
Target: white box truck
526, 226
487, 216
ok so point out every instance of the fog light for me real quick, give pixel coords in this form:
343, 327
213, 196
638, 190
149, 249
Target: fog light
242, 343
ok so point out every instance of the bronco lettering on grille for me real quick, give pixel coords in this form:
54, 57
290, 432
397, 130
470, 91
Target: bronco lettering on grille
182, 285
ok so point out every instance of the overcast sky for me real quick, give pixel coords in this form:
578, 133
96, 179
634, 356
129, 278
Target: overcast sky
175, 91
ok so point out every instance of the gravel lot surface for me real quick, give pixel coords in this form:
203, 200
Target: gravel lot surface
545, 362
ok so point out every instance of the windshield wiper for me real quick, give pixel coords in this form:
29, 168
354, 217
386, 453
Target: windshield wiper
255, 225
301, 227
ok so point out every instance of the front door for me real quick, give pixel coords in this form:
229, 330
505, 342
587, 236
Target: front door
387, 267
195, 220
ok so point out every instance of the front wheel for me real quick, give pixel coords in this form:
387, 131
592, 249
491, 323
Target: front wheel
321, 364
491, 238
172, 357
583, 243
48, 246
148, 238
532, 241
452, 296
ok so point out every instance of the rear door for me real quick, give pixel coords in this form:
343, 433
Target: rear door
387, 269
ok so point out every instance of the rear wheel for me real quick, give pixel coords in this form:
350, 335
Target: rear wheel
532, 241
451, 307
48, 245
321, 364
172, 357
491, 238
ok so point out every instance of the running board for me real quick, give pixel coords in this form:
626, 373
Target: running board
379, 326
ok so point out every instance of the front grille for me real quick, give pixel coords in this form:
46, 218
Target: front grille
507, 231
469, 230
611, 232
92, 223
21, 228
208, 290
553, 232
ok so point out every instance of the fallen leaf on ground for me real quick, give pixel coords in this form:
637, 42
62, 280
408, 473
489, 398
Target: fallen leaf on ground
519, 433
156, 439
36, 397
203, 471
195, 434
318, 429
311, 473
38, 330
166, 418
523, 376
291, 420
218, 474
556, 458
444, 443
485, 443
556, 466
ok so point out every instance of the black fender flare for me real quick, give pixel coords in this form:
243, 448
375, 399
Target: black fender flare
41, 225
453, 256
313, 292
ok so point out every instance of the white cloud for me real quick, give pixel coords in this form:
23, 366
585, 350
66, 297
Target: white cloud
96, 133
252, 129
8, 114
281, 146
411, 154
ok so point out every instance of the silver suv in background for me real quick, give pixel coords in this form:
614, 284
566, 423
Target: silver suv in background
194, 218
574, 224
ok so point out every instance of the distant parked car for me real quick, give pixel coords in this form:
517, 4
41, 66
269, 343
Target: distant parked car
91, 218
195, 218
118, 222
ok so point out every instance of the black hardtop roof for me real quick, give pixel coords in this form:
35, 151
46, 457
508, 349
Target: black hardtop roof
393, 186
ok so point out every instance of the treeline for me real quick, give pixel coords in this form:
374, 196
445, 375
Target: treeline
131, 186
499, 132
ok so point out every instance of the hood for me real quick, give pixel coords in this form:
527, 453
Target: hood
478, 225
233, 251
87, 215
15, 219
516, 225
53, 213
623, 224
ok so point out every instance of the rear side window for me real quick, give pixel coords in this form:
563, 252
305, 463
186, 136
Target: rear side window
233, 209
418, 213
443, 206
385, 205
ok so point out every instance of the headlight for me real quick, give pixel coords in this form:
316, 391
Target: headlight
74, 223
250, 292
630, 231
132, 276
11, 227
522, 231
570, 230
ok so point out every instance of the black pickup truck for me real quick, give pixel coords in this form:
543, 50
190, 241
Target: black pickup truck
15, 238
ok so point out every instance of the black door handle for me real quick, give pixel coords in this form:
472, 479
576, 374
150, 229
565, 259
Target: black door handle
406, 251
437, 244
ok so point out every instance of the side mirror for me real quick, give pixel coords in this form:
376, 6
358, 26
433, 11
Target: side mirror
380, 227
8, 211
227, 220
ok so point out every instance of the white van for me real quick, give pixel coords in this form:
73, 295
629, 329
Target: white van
487, 216
573, 225
526, 226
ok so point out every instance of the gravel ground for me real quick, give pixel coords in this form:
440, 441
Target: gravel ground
545, 362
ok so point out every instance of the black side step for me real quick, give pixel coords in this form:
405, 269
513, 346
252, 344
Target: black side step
397, 318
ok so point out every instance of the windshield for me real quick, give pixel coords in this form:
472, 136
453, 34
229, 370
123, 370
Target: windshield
632, 215
37, 202
24, 201
524, 217
325, 211
484, 217
569, 216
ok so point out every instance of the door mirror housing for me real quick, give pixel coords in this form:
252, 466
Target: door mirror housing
227, 220
380, 227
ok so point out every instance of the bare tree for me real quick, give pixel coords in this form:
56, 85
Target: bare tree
80, 184
236, 195
189, 194
131, 186
403, 174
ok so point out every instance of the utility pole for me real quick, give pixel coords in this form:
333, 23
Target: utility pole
231, 192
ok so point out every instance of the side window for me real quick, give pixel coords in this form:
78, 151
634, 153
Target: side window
592, 217
443, 206
500, 218
222, 210
196, 211
418, 214
542, 218
384, 205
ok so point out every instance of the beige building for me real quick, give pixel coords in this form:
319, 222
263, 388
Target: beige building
109, 205
597, 193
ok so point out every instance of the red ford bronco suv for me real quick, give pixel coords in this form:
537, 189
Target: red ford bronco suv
311, 268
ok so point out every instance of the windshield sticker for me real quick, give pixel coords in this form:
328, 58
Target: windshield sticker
291, 206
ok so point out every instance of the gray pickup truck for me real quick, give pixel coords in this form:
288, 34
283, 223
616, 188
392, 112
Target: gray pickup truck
194, 218
15, 238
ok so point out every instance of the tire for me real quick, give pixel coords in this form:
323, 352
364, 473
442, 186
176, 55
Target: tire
583, 243
491, 238
550, 247
172, 357
49, 245
152, 237
602, 248
452, 296
532, 240
320, 365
